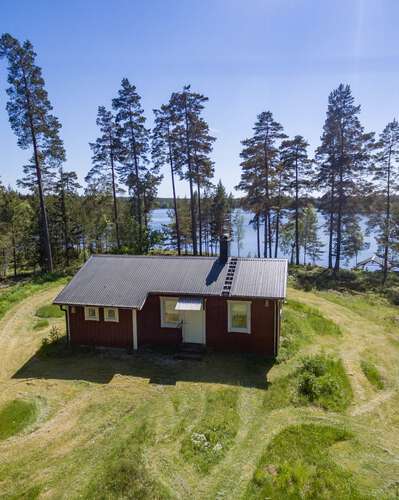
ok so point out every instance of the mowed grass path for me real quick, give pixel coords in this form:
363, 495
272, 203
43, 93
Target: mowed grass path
147, 426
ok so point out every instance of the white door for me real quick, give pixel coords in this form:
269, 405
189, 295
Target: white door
194, 327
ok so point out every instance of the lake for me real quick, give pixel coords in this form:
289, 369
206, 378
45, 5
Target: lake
160, 217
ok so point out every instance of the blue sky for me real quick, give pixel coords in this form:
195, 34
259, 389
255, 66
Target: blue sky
246, 56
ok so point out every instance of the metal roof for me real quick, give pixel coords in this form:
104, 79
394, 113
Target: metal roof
126, 280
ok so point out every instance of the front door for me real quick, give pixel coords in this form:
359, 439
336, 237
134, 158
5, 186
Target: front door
194, 327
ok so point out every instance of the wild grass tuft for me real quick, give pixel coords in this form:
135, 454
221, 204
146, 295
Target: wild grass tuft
40, 324
322, 380
297, 464
372, 374
15, 416
49, 311
208, 442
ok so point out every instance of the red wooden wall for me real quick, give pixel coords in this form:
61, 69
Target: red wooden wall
101, 333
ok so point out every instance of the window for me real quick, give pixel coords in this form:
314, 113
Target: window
111, 314
169, 316
239, 316
91, 314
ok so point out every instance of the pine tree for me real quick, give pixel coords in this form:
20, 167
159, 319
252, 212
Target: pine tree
260, 170
312, 246
29, 112
221, 214
385, 174
343, 158
142, 181
107, 151
353, 239
297, 176
66, 194
237, 222
195, 146
165, 151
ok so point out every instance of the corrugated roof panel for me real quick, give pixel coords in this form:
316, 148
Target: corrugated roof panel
125, 280
266, 278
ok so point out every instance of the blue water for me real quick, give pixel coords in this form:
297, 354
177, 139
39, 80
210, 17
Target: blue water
249, 245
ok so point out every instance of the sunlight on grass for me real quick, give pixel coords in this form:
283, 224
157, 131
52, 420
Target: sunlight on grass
15, 416
300, 324
297, 464
49, 311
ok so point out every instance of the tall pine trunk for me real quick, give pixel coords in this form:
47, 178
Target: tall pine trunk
265, 216
43, 212
331, 223
172, 174
190, 178
387, 218
296, 212
64, 222
339, 220
258, 235
118, 243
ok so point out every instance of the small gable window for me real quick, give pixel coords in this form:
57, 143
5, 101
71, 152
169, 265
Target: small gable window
91, 314
111, 314
239, 316
169, 316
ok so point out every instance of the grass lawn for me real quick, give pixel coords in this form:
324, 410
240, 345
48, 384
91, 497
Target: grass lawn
49, 311
15, 416
311, 425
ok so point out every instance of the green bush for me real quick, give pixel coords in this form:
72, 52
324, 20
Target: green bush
54, 343
49, 311
372, 374
322, 380
15, 416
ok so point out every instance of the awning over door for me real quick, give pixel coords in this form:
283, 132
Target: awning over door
189, 304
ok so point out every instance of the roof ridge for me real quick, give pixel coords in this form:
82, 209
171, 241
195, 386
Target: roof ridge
196, 257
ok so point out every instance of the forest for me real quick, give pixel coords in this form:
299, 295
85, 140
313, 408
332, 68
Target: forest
49, 221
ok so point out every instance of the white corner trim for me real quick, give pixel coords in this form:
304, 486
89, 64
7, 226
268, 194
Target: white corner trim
134, 322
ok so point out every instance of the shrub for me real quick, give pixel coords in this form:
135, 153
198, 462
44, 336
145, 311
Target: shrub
322, 380
53, 343
372, 374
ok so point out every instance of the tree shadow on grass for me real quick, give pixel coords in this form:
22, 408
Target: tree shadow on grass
158, 367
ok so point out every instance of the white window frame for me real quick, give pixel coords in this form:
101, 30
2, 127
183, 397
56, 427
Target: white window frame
106, 309
90, 318
165, 324
234, 329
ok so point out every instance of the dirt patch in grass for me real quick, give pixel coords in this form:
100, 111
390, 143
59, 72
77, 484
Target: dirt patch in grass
15, 416
49, 311
372, 374
297, 464
209, 441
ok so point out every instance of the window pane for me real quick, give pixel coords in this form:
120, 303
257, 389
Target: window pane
239, 315
92, 312
170, 315
111, 313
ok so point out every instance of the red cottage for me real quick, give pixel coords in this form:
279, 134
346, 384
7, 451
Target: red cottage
224, 303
